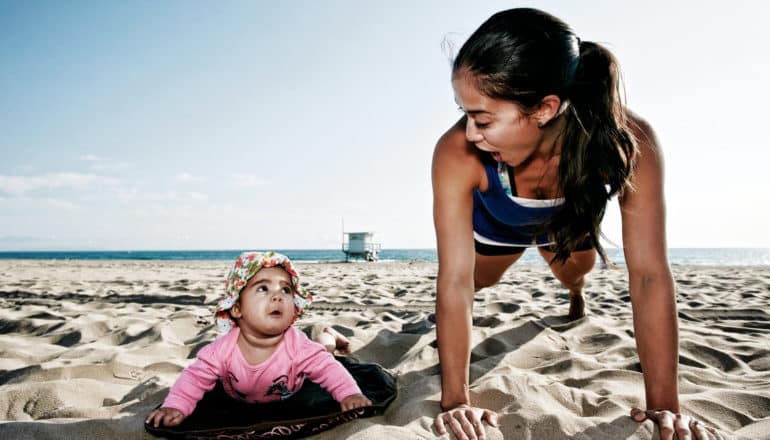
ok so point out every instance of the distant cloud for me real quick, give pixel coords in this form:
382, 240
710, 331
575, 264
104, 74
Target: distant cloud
100, 164
60, 203
134, 195
188, 178
246, 181
22, 206
198, 196
107, 166
19, 185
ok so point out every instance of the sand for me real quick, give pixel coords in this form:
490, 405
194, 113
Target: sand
88, 348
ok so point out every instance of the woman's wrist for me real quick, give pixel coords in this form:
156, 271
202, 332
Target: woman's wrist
447, 405
454, 394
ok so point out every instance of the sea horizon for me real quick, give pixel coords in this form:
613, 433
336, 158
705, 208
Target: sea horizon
734, 256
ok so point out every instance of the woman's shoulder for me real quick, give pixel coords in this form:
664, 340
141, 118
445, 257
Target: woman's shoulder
455, 156
454, 143
643, 132
647, 178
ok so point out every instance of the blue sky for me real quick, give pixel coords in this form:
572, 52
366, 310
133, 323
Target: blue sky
211, 125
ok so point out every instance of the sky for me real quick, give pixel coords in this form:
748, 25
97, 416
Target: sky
252, 124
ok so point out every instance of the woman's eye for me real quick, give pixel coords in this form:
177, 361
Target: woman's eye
482, 124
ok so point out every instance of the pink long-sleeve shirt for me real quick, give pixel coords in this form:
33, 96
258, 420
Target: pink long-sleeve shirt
278, 377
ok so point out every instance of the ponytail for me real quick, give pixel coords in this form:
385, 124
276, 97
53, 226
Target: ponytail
598, 151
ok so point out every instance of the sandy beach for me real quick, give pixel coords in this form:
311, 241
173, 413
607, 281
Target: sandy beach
88, 348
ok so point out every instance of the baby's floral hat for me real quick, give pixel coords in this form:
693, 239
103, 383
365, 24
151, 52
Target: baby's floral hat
248, 264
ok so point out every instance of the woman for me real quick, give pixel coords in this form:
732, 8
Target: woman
543, 144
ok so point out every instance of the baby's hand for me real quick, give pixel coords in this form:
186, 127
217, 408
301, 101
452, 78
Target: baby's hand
165, 416
355, 401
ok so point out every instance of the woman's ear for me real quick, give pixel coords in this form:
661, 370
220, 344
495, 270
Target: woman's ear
547, 110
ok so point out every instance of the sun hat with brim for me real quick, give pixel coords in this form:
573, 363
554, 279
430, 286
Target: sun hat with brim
245, 267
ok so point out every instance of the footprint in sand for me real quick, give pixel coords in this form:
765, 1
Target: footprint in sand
502, 307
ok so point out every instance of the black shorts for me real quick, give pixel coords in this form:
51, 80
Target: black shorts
494, 250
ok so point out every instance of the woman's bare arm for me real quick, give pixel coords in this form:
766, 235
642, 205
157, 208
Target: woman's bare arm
454, 178
650, 281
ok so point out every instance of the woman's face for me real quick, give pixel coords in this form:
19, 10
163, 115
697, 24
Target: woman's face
496, 125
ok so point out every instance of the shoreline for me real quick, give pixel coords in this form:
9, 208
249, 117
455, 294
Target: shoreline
541, 263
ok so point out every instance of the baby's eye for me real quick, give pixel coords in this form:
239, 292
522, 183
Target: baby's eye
261, 288
286, 290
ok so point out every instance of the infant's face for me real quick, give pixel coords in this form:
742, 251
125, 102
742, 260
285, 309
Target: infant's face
266, 304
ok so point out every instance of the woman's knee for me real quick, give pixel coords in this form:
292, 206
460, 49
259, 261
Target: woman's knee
574, 283
572, 272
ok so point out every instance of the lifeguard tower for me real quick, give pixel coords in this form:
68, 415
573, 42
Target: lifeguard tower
360, 245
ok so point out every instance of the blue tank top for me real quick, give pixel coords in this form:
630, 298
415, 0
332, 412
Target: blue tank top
500, 218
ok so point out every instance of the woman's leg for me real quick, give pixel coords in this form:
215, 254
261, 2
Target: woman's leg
490, 268
572, 273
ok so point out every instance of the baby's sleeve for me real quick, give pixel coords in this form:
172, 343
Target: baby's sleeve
195, 380
327, 372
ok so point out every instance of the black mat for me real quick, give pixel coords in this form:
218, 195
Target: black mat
308, 411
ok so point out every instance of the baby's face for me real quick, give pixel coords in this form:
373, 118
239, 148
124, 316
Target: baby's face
266, 305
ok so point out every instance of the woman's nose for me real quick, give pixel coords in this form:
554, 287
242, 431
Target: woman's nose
471, 132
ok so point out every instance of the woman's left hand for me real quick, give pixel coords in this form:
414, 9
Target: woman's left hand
676, 425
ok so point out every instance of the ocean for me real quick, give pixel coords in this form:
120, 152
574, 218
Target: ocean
677, 256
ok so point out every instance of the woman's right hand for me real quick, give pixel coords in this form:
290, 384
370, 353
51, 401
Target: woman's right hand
465, 422
165, 416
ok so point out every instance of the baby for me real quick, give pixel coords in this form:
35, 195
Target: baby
262, 357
